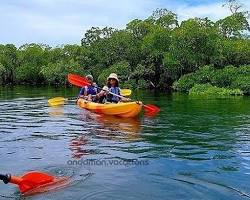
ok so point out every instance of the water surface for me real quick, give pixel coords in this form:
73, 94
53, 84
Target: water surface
195, 148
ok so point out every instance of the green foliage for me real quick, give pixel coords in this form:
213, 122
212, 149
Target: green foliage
2, 73
142, 71
154, 52
129, 84
95, 34
185, 83
56, 73
172, 67
139, 29
228, 77
236, 52
242, 79
165, 18
233, 25
201, 76
122, 69
157, 42
142, 84
205, 74
31, 59
244, 70
223, 77
121, 46
242, 82
209, 90
8, 58
195, 43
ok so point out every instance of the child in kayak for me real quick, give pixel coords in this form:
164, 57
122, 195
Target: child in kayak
87, 92
112, 86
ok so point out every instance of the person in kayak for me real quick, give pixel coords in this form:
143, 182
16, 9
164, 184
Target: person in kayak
87, 92
111, 86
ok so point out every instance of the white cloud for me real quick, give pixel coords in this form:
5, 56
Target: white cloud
213, 11
62, 21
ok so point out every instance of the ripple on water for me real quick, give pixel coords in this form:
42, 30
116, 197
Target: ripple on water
205, 143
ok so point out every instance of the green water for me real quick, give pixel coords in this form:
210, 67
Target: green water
195, 148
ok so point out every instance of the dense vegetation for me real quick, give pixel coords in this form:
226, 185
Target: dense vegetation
209, 90
154, 52
229, 77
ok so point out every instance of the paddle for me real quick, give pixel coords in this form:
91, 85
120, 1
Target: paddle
57, 101
31, 180
80, 81
126, 92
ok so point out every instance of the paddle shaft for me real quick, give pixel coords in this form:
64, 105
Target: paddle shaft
145, 106
10, 179
71, 99
110, 92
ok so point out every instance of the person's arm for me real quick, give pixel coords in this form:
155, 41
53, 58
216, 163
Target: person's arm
85, 91
96, 88
81, 93
119, 93
102, 92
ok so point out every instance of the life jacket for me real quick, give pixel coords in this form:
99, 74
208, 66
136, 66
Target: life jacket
112, 98
90, 90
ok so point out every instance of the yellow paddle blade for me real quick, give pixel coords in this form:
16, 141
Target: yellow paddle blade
126, 92
57, 101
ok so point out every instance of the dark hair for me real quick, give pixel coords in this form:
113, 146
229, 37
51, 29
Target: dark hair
109, 85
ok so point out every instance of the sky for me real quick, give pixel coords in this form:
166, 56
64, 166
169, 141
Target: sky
58, 22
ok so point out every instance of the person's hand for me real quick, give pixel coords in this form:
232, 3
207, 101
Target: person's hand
124, 99
77, 99
127, 99
105, 88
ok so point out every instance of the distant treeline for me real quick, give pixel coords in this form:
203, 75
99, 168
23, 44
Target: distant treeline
154, 52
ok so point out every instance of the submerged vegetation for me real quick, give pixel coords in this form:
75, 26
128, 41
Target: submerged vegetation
158, 52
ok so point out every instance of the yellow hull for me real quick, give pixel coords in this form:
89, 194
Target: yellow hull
129, 109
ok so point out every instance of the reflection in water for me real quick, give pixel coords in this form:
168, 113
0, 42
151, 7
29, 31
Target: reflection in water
196, 129
103, 126
111, 126
77, 147
127, 125
56, 111
196, 148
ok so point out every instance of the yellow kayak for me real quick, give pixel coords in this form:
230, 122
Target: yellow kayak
126, 109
